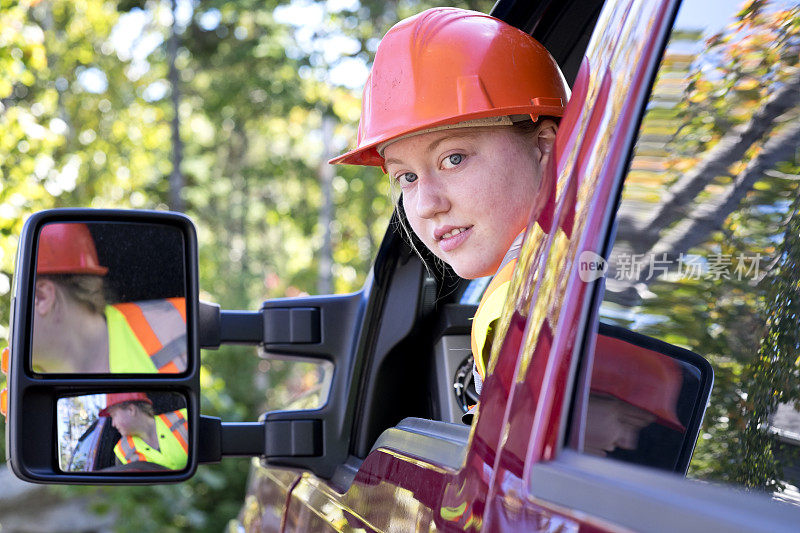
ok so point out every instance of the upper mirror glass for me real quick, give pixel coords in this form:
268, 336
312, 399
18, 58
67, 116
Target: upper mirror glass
109, 297
123, 432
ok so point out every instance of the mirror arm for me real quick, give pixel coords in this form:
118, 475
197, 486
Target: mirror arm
231, 439
241, 327
270, 438
228, 327
242, 439
272, 325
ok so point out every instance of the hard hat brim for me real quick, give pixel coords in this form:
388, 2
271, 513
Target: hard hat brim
105, 411
90, 270
367, 155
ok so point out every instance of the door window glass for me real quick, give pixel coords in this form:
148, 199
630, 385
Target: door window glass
707, 256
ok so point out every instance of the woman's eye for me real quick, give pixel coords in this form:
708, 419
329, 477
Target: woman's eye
406, 178
452, 160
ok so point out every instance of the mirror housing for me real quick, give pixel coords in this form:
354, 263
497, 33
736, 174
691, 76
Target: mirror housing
659, 390
33, 396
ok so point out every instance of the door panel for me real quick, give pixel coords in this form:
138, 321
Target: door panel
267, 492
611, 492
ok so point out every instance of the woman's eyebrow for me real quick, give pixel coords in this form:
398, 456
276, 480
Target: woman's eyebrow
437, 142
432, 146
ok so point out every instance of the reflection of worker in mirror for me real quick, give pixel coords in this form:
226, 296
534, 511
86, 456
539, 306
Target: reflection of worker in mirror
75, 331
146, 437
631, 388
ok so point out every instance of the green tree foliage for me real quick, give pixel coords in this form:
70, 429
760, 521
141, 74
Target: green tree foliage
74, 128
774, 377
84, 121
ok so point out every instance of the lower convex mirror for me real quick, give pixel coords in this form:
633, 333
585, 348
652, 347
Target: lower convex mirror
122, 432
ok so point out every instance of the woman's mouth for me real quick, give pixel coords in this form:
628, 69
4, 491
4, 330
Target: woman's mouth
452, 239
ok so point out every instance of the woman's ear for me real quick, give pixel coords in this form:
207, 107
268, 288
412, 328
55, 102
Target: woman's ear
545, 136
45, 296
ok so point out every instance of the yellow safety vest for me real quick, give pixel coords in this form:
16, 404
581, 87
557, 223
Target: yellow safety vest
491, 307
147, 337
173, 443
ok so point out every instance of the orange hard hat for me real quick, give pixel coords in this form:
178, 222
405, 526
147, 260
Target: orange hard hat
67, 248
446, 66
117, 398
644, 378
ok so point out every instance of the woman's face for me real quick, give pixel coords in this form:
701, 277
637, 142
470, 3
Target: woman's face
124, 418
468, 192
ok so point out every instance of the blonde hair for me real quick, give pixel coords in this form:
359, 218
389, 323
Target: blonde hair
85, 289
143, 406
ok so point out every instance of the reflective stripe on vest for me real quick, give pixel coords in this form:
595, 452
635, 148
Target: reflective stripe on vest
177, 425
491, 307
125, 450
160, 327
172, 431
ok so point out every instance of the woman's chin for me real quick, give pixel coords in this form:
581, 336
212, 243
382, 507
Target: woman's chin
471, 271
466, 265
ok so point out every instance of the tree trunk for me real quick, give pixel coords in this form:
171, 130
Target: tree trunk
326, 173
176, 178
731, 148
695, 228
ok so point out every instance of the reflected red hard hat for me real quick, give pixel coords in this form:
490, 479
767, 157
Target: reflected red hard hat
445, 66
67, 248
117, 398
644, 378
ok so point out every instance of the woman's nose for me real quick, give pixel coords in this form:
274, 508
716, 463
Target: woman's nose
431, 198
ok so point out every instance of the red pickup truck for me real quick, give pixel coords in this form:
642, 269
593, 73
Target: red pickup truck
649, 344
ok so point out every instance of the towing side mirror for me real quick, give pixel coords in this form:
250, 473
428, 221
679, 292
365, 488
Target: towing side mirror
646, 400
104, 367
106, 321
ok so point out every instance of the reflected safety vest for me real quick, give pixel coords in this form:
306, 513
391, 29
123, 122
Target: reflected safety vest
147, 337
490, 309
173, 443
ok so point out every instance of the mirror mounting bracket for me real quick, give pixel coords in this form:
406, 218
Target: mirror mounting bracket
218, 327
271, 438
270, 325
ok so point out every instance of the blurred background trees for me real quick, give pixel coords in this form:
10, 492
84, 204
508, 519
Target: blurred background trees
266, 92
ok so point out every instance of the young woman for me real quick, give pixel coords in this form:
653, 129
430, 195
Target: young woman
146, 437
460, 110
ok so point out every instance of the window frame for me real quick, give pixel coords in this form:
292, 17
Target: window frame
644, 499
